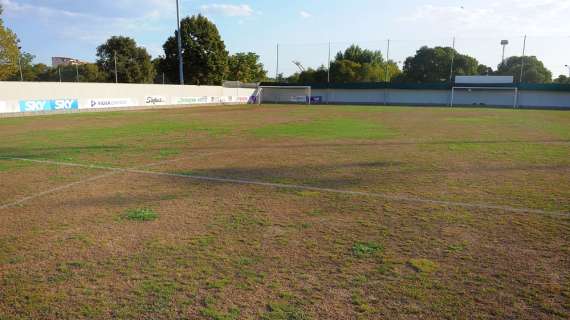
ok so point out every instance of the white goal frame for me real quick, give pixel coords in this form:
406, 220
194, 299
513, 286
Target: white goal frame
307, 88
515, 90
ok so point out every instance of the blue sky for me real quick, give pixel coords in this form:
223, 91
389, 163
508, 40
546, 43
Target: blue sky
303, 27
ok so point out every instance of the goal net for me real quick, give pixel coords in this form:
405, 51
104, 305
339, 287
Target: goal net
284, 94
483, 96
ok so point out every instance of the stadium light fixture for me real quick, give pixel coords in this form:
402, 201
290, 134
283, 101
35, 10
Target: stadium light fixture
179, 39
504, 43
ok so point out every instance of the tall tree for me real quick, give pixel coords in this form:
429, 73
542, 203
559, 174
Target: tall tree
484, 70
562, 79
434, 65
9, 51
245, 67
356, 54
204, 53
352, 65
134, 64
28, 71
534, 70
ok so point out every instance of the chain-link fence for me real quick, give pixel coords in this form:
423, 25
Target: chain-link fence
537, 59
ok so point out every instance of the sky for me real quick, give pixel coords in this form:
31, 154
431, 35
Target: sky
303, 28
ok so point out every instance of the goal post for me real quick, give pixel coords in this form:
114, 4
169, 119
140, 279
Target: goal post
454, 90
284, 94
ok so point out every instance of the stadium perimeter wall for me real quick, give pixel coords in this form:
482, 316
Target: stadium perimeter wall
529, 96
23, 98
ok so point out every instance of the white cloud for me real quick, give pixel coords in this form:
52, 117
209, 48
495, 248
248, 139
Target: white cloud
230, 10
535, 17
305, 14
79, 26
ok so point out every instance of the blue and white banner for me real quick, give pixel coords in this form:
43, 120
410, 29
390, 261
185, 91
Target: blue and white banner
48, 105
109, 103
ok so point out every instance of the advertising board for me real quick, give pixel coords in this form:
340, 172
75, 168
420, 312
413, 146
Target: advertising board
48, 105
109, 103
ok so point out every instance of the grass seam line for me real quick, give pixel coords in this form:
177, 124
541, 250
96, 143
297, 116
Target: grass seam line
67, 186
396, 198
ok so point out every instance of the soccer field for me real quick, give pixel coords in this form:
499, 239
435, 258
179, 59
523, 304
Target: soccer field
286, 212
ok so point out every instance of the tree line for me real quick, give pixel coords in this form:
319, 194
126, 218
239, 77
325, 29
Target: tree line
208, 62
428, 65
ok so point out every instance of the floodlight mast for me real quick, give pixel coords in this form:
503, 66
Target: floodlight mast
299, 65
504, 43
179, 39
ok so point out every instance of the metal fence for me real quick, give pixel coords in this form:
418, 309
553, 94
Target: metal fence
289, 58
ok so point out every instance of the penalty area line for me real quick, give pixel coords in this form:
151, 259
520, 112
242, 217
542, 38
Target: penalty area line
395, 198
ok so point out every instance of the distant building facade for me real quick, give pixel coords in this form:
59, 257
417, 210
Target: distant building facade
63, 61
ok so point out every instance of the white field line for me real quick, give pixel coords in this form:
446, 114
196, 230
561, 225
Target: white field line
67, 186
397, 198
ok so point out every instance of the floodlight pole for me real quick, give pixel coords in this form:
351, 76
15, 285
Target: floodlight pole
504, 43
329, 68
522, 60
59, 72
77, 71
116, 71
277, 66
452, 62
179, 39
386, 74
20, 64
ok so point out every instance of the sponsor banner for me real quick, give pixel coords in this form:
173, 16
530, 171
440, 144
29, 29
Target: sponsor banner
190, 100
244, 99
155, 100
215, 100
48, 105
230, 99
316, 99
298, 99
109, 103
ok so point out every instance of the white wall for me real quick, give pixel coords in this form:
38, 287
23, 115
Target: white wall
33, 96
501, 98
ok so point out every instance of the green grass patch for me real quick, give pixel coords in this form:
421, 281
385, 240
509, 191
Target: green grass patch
366, 249
327, 129
140, 215
284, 311
423, 265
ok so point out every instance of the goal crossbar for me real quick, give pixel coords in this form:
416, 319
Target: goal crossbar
308, 88
515, 90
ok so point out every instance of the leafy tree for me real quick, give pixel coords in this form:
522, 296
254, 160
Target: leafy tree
9, 51
310, 75
534, 70
245, 67
483, 70
434, 65
353, 65
562, 79
28, 71
90, 72
356, 54
204, 53
133, 63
